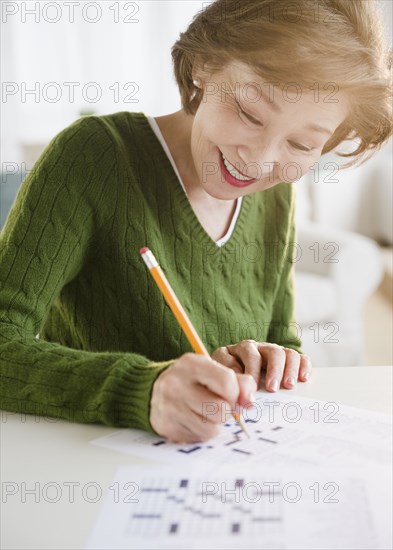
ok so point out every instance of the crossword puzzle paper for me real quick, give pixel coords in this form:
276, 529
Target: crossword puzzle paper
284, 430
193, 507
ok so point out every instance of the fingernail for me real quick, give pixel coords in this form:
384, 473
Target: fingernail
251, 398
306, 375
291, 381
273, 384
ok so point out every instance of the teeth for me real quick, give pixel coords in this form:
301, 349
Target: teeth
233, 171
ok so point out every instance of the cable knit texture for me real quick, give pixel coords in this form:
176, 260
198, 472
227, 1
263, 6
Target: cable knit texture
71, 272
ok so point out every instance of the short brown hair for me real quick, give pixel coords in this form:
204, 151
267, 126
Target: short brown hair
301, 41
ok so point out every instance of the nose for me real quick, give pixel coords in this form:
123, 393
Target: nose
262, 160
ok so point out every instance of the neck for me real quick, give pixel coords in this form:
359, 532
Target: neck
176, 129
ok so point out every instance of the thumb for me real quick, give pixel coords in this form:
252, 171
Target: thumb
247, 387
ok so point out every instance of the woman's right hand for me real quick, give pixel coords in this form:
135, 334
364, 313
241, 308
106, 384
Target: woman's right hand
194, 396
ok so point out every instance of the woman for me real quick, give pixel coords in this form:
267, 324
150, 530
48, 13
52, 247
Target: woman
266, 89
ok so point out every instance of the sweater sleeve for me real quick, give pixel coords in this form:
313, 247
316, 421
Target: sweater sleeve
284, 330
43, 246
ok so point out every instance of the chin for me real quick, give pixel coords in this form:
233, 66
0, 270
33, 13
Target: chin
221, 194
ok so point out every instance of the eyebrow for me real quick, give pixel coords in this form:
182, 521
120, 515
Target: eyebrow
313, 127
317, 128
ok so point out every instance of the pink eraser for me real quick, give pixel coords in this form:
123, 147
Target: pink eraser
144, 249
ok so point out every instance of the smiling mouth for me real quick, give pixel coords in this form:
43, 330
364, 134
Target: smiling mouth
231, 175
234, 171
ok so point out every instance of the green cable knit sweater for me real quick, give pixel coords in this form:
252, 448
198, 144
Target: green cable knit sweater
71, 272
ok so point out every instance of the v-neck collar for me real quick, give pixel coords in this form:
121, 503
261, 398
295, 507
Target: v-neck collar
181, 202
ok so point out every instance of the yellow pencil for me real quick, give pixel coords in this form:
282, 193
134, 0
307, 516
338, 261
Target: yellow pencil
178, 311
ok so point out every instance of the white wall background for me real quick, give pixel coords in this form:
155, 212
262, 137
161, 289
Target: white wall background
123, 49
129, 44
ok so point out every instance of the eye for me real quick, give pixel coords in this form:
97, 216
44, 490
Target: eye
250, 118
301, 147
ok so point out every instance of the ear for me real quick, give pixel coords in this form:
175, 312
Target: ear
200, 72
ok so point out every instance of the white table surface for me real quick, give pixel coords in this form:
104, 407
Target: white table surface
36, 451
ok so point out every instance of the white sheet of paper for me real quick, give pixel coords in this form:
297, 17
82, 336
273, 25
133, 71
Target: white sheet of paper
195, 507
285, 430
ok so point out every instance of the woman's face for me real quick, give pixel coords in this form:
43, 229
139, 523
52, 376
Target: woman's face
270, 136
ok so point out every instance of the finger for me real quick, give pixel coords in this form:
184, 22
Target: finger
171, 426
188, 426
292, 365
180, 433
222, 355
248, 387
274, 356
217, 378
305, 367
196, 429
208, 406
247, 351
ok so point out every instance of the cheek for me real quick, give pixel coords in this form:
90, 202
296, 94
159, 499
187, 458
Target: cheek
310, 162
223, 125
292, 169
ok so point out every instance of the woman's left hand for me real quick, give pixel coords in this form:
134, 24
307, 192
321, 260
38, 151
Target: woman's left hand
282, 364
